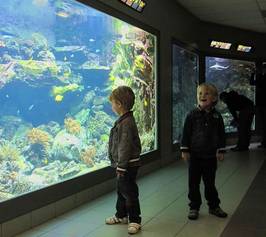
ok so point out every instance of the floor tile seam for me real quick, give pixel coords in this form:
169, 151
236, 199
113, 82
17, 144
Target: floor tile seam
257, 169
228, 177
89, 234
64, 221
94, 229
165, 207
38, 234
181, 229
58, 225
159, 188
97, 226
152, 194
234, 172
44, 233
173, 166
173, 178
159, 171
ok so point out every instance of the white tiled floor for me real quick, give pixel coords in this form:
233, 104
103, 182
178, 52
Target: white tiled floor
163, 196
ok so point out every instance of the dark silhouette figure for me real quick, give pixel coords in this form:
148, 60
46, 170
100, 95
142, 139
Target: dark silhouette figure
242, 110
259, 80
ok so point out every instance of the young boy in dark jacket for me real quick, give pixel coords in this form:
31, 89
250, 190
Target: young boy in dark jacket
203, 142
124, 153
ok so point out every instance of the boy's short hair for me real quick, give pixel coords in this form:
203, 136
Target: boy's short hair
211, 88
124, 95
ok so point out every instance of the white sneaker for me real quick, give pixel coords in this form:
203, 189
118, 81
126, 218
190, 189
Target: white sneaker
133, 228
115, 220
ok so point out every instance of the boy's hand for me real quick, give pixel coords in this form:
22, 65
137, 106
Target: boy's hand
220, 156
185, 156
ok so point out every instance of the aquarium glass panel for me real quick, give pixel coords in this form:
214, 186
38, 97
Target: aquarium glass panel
59, 61
230, 74
184, 84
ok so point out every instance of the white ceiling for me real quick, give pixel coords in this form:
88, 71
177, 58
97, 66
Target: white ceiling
244, 14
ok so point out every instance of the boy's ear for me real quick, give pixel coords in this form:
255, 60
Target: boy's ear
119, 103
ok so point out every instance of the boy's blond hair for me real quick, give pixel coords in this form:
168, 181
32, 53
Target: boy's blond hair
124, 95
210, 87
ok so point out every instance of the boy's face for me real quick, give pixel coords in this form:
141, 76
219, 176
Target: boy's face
116, 107
205, 98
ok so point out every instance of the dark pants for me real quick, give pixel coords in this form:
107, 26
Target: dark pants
244, 127
128, 196
261, 112
205, 169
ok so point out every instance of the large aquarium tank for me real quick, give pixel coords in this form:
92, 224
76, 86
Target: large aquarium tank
185, 76
59, 61
230, 74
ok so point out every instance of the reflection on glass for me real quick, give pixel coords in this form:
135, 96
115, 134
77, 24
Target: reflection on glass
184, 83
59, 62
230, 74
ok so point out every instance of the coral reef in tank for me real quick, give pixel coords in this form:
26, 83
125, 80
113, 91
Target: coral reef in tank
72, 126
55, 79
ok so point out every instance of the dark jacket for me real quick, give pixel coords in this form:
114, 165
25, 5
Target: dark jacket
203, 133
237, 103
124, 143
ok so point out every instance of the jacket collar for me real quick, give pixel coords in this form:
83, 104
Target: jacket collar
127, 114
212, 109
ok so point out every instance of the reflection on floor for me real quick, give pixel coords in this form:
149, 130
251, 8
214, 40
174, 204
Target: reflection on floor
164, 205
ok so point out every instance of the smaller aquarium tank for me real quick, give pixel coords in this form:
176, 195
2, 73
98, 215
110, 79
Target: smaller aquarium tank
59, 61
230, 74
185, 78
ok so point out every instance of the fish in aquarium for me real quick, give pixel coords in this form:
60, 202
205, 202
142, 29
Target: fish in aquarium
216, 66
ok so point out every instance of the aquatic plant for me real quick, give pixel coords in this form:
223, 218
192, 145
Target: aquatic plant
11, 160
72, 126
104, 138
38, 136
134, 68
39, 40
37, 68
99, 124
87, 155
139, 62
9, 152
